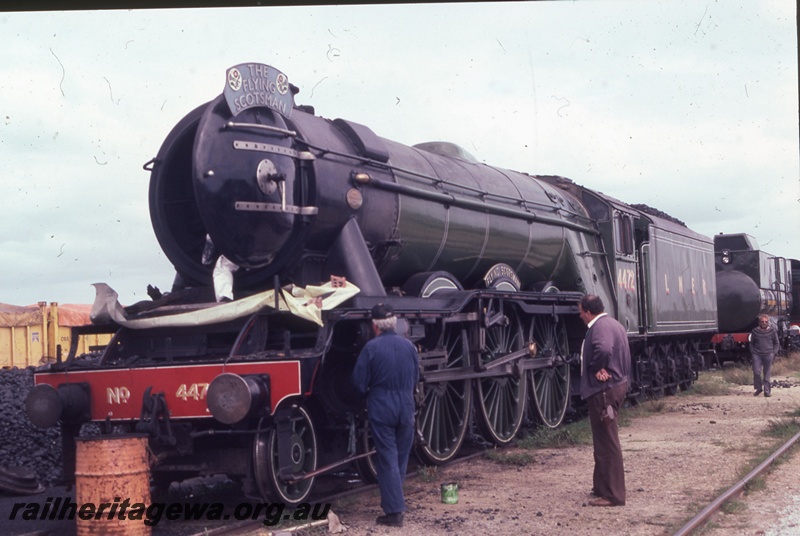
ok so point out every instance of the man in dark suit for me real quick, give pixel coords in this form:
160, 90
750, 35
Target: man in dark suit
605, 366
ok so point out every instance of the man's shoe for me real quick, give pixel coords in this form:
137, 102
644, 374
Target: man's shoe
600, 502
767, 395
758, 392
391, 520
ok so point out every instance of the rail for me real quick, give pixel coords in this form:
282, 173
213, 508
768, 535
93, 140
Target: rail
700, 519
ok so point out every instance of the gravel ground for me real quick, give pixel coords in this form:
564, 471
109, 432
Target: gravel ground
679, 456
677, 461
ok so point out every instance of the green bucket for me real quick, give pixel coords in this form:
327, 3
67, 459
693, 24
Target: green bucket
450, 493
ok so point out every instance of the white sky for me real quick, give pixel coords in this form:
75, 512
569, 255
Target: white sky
690, 107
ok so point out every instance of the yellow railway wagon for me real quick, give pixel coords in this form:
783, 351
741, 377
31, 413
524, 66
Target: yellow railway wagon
36, 334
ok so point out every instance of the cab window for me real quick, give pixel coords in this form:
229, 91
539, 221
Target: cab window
623, 233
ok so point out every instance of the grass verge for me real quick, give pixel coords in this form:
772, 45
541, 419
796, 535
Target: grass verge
519, 458
568, 435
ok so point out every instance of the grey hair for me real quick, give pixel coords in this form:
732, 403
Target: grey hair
386, 324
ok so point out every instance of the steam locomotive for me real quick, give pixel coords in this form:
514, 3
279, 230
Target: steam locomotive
324, 218
752, 282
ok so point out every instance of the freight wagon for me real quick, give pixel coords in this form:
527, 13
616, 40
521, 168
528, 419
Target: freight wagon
37, 334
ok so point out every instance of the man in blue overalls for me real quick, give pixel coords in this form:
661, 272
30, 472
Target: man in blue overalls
387, 372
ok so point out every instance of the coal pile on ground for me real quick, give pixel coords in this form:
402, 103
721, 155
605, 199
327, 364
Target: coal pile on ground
23, 445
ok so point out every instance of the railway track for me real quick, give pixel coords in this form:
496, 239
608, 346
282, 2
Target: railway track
734, 491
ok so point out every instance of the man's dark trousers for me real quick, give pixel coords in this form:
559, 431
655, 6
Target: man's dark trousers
391, 461
609, 473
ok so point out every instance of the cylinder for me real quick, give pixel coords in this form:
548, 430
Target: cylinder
112, 471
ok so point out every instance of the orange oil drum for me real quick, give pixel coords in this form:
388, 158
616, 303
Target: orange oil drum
110, 471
